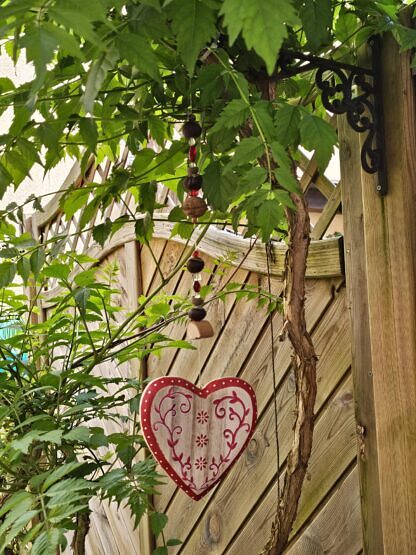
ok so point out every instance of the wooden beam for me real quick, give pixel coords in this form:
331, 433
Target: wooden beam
360, 345
325, 257
389, 230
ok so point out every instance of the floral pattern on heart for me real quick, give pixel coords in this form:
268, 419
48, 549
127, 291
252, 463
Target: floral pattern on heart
197, 434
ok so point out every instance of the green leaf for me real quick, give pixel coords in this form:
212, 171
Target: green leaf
347, 23
59, 473
138, 51
193, 22
89, 132
47, 542
66, 41
160, 551
79, 434
286, 179
144, 228
21, 499
157, 129
270, 213
102, 231
251, 179
157, 522
40, 46
233, 116
7, 273
262, 24
76, 19
74, 201
287, 119
319, 135
81, 296
23, 268
26, 441
173, 541
316, 18
5, 179
183, 230
37, 260
247, 150
280, 154
59, 271
96, 76
218, 188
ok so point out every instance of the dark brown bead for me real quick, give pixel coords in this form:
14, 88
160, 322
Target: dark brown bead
195, 265
193, 170
197, 313
197, 301
192, 183
191, 129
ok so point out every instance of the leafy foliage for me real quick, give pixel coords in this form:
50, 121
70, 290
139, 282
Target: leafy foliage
110, 73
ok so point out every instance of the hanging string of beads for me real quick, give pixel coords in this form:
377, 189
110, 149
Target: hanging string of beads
194, 207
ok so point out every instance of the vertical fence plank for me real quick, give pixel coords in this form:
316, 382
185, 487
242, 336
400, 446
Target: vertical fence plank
389, 232
360, 345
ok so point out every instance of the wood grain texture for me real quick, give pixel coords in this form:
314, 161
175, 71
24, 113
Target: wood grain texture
328, 214
255, 471
361, 345
258, 366
336, 528
334, 441
324, 259
390, 246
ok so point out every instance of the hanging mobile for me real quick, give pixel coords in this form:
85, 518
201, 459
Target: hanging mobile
195, 206
197, 434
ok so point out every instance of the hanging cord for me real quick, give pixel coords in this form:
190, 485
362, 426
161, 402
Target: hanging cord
269, 257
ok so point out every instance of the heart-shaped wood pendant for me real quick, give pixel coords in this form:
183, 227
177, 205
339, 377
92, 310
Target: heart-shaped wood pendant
197, 434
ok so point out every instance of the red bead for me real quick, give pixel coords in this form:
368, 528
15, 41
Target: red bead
192, 153
196, 254
197, 286
193, 193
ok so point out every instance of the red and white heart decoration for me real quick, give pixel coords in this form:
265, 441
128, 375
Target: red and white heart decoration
197, 434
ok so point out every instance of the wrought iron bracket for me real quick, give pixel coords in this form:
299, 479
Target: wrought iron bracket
351, 90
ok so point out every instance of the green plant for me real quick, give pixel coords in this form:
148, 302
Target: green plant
112, 70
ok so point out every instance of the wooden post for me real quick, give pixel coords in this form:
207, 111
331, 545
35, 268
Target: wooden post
381, 268
360, 335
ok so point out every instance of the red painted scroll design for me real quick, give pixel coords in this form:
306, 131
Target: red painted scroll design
230, 405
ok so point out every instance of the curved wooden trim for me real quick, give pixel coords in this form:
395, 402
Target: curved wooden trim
324, 261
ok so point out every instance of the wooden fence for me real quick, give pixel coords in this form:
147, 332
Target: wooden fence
235, 517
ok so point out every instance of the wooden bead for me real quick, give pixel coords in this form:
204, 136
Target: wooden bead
197, 313
194, 207
195, 265
199, 330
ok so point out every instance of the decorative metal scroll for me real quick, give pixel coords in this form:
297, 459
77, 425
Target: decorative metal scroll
350, 90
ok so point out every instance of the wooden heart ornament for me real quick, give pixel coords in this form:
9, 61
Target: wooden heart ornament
197, 434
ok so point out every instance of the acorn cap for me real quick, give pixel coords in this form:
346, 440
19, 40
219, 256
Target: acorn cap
194, 207
197, 313
195, 265
191, 129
